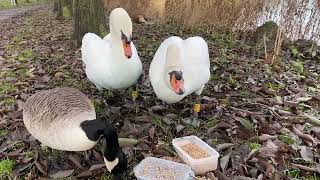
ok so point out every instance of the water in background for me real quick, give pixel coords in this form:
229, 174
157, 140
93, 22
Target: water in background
300, 19
297, 18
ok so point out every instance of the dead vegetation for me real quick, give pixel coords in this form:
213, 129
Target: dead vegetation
263, 121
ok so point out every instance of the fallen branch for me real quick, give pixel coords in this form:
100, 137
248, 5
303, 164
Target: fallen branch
127, 142
305, 168
312, 120
305, 137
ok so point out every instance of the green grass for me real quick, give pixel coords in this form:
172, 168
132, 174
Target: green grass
294, 173
29, 154
314, 176
6, 167
7, 88
253, 146
244, 94
17, 145
26, 55
9, 101
106, 176
285, 138
212, 123
3, 132
98, 106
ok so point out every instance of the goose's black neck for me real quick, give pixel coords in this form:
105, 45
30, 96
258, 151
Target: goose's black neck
100, 127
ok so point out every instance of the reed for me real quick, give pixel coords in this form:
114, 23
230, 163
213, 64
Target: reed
292, 16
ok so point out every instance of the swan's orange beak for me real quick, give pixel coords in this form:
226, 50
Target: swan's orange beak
177, 85
127, 49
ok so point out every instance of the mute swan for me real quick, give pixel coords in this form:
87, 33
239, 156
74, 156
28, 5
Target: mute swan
112, 62
179, 68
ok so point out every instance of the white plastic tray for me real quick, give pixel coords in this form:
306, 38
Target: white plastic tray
199, 166
150, 168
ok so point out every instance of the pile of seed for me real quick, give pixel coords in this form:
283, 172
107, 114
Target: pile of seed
159, 173
194, 151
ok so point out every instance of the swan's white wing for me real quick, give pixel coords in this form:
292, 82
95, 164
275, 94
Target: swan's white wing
159, 59
196, 49
196, 64
94, 49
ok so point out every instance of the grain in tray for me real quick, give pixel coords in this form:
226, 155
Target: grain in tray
194, 151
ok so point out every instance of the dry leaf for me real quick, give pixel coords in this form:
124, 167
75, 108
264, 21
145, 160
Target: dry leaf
62, 174
306, 153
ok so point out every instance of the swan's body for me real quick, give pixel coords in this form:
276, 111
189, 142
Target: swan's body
65, 119
112, 62
189, 57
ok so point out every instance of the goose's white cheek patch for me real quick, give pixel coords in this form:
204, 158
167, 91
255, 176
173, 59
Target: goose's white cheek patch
111, 164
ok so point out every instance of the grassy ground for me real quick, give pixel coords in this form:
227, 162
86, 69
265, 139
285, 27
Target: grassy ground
6, 4
260, 118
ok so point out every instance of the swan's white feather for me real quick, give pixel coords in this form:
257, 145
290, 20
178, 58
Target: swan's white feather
195, 65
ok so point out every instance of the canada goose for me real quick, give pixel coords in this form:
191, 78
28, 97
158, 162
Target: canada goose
65, 119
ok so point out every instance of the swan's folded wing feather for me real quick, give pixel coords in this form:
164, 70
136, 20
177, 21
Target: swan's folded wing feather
93, 49
196, 50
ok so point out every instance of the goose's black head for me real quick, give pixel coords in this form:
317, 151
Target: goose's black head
114, 158
117, 164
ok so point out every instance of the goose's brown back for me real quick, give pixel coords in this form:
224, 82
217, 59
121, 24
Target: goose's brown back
58, 103
54, 117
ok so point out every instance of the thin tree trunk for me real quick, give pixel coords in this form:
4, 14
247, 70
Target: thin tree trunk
55, 5
89, 17
59, 9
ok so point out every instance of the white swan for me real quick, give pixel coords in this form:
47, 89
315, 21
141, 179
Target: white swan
179, 68
112, 62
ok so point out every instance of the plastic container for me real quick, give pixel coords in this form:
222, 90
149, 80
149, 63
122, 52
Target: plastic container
201, 165
159, 169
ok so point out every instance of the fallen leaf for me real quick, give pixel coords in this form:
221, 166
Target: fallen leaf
224, 161
265, 137
75, 161
97, 167
268, 149
62, 174
306, 153
85, 174
41, 168
246, 123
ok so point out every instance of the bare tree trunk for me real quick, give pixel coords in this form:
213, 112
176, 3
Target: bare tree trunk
89, 17
55, 5
60, 12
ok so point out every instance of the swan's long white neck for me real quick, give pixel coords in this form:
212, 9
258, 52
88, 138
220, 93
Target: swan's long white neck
116, 43
119, 22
